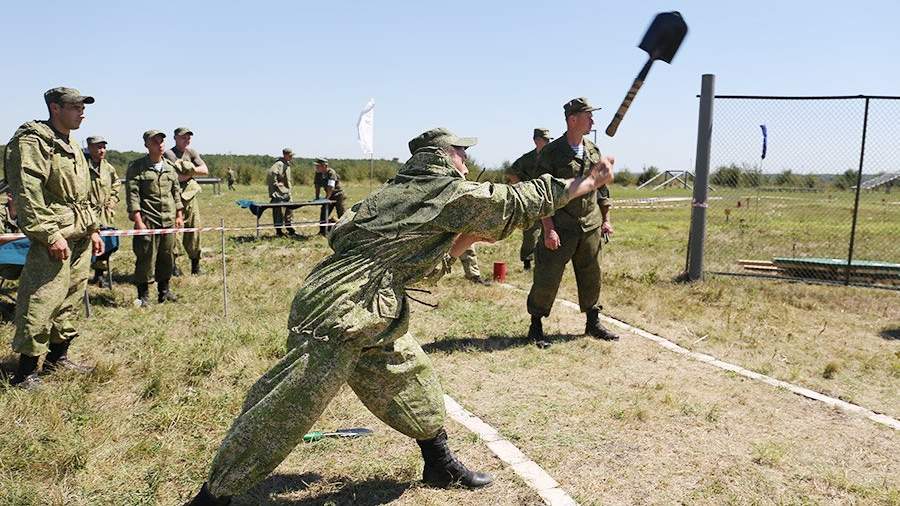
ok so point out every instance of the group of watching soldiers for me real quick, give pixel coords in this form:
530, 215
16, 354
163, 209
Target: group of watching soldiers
326, 182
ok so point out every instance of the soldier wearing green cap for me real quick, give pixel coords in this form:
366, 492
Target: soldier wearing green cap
349, 322
327, 180
189, 164
153, 196
105, 189
48, 175
573, 233
524, 169
279, 181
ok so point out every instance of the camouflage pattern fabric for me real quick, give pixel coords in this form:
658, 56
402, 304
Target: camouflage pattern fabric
525, 168
349, 320
157, 195
105, 188
185, 162
530, 238
558, 159
278, 179
50, 182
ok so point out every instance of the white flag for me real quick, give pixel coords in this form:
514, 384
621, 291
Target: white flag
365, 128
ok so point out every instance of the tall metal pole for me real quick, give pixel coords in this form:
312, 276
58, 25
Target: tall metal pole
701, 179
862, 156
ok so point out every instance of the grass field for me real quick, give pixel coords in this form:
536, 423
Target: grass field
613, 423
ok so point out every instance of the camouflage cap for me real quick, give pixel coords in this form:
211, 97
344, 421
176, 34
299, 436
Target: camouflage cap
439, 137
152, 133
183, 130
96, 139
287, 151
542, 133
577, 105
321, 161
62, 95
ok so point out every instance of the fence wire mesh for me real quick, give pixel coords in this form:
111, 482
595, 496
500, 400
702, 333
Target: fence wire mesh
783, 189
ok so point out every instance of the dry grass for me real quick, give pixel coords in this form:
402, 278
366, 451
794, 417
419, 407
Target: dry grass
613, 423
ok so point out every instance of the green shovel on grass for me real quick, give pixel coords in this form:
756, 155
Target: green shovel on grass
346, 433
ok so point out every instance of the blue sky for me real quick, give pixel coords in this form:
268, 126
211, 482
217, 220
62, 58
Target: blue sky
252, 77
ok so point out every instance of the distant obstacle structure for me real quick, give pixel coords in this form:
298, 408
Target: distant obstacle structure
673, 178
885, 180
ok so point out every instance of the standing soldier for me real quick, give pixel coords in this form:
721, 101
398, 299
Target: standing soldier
154, 201
230, 177
105, 196
48, 174
524, 169
189, 165
279, 181
349, 321
573, 233
327, 179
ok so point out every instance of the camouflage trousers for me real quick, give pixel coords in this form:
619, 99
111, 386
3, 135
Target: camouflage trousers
50, 292
154, 257
190, 241
469, 261
282, 217
375, 356
530, 237
583, 250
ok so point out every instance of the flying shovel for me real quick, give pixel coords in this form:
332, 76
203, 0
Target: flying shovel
661, 42
341, 433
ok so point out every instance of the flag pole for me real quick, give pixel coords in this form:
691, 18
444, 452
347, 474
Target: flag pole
371, 170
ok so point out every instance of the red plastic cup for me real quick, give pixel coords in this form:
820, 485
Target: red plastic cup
500, 272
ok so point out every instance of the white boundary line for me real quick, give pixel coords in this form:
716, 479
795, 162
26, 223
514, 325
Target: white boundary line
533, 475
713, 361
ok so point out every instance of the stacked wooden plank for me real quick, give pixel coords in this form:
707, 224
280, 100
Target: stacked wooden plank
832, 269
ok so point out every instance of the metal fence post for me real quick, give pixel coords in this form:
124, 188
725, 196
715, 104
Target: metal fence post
862, 156
701, 179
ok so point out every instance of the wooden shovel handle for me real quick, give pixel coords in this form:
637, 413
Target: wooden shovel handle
626, 103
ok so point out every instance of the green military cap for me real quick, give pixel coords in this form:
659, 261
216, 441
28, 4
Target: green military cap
62, 95
577, 105
96, 139
183, 130
542, 133
288, 151
440, 137
321, 161
152, 133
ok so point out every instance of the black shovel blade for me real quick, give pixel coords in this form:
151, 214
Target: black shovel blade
664, 36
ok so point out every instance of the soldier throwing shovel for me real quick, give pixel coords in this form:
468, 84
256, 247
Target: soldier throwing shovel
349, 321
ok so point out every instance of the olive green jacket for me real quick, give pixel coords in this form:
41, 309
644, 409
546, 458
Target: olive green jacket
279, 179
185, 163
105, 188
525, 167
157, 195
558, 159
50, 183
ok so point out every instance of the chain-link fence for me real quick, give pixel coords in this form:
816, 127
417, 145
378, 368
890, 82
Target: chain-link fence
785, 196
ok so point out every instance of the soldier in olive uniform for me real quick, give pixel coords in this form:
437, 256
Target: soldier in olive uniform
48, 174
231, 178
524, 169
8, 225
573, 233
327, 180
105, 195
153, 197
279, 181
349, 322
189, 165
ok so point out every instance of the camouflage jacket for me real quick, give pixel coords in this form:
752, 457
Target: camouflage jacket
157, 195
279, 179
320, 181
558, 159
396, 236
105, 188
185, 162
525, 167
50, 184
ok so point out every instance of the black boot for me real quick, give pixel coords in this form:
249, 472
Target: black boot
98, 277
205, 498
165, 295
195, 266
443, 469
593, 328
536, 333
102, 281
26, 376
58, 359
143, 298
176, 272
526, 264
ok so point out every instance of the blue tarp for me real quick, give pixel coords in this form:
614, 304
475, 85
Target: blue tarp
14, 252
